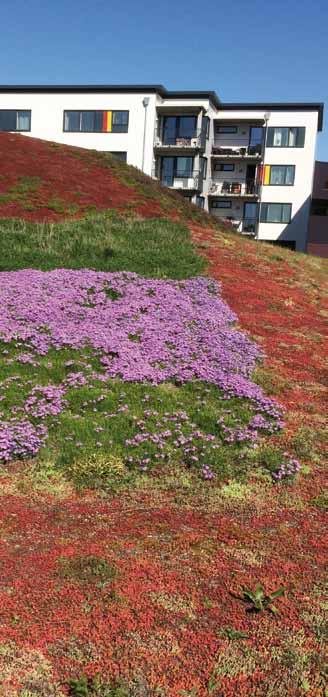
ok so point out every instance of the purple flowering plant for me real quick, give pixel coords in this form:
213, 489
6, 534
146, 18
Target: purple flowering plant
153, 369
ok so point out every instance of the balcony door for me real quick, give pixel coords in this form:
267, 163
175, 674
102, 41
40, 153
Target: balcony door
255, 140
175, 167
176, 127
250, 216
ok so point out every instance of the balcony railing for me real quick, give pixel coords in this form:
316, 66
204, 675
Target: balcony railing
247, 226
234, 188
194, 141
191, 181
252, 151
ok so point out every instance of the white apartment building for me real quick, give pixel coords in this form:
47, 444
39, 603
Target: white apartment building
251, 164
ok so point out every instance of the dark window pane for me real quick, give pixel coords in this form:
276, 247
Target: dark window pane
167, 171
23, 121
264, 212
319, 206
186, 126
277, 174
120, 121
98, 121
270, 137
87, 121
72, 121
221, 204
300, 138
169, 130
8, 120
290, 174
120, 155
286, 213
184, 166
224, 167
292, 137
204, 167
227, 129
275, 212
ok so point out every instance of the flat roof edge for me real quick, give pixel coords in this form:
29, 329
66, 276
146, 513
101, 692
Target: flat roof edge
278, 106
158, 89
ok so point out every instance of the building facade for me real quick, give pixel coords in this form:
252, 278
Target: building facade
318, 224
251, 164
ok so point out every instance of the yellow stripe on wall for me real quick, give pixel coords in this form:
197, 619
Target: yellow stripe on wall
267, 174
109, 122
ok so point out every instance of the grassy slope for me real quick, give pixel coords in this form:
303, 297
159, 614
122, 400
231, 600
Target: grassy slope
165, 620
154, 248
44, 181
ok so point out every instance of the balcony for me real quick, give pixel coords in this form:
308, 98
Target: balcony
246, 226
192, 181
193, 142
252, 152
245, 189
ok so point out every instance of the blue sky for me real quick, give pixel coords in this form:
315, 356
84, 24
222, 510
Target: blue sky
244, 50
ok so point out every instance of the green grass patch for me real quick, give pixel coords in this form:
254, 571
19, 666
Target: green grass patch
104, 242
88, 441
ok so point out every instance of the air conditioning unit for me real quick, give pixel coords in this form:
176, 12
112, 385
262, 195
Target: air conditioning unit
194, 142
158, 142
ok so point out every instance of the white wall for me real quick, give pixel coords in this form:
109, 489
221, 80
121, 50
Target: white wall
298, 195
47, 120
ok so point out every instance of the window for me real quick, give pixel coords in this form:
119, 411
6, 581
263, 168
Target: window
171, 167
319, 206
200, 201
255, 140
184, 166
226, 129
120, 155
206, 126
178, 127
279, 175
96, 121
293, 137
221, 204
120, 121
13, 120
203, 167
276, 212
288, 244
224, 167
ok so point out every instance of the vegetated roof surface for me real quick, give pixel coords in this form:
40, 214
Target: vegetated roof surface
135, 510
46, 181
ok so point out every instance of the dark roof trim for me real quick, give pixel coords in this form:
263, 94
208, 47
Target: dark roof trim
134, 89
278, 106
169, 94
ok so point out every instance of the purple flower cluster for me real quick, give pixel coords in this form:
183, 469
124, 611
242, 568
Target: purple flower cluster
141, 330
287, 469
45, 401
207, 472
184, 328
19, 439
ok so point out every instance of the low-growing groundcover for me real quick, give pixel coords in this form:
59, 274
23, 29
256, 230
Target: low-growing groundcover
82, 354
124, 578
